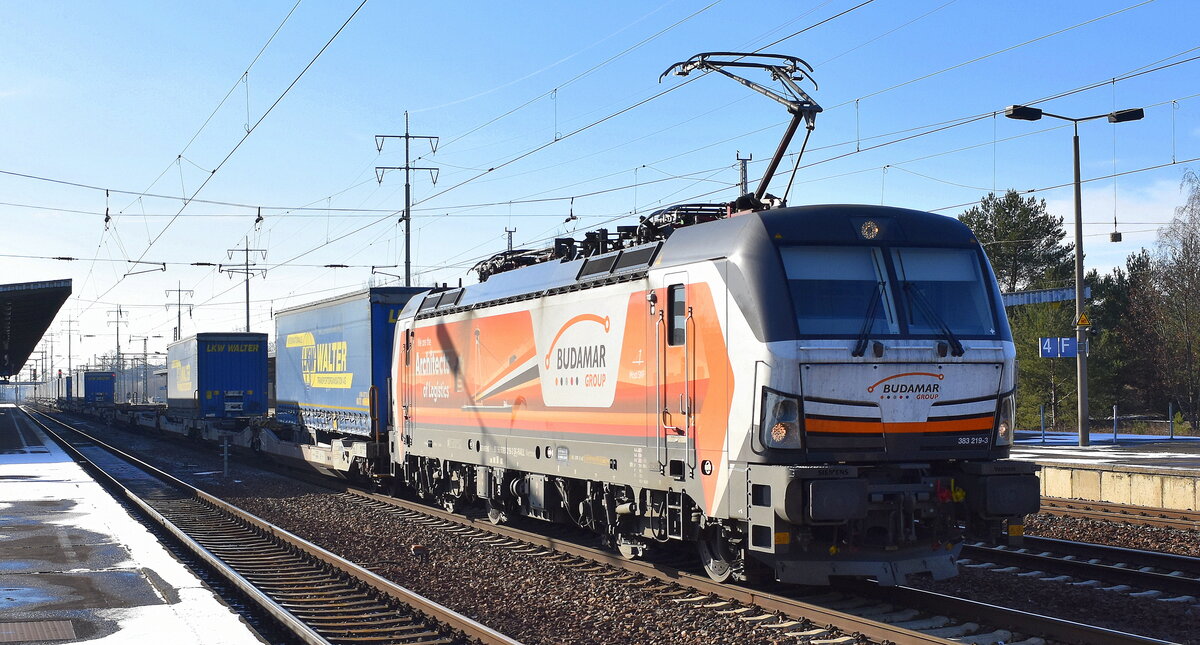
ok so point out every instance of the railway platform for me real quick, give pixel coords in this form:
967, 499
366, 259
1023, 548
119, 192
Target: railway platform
74, 566
1141, 470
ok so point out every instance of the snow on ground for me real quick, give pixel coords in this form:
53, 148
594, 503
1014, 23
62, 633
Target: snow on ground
196, 615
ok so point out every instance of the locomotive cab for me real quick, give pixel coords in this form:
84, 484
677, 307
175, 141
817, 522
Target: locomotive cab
887, 407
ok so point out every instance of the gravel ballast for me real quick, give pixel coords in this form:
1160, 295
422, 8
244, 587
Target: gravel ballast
540, 601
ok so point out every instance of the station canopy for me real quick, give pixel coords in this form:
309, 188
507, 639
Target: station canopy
26, 311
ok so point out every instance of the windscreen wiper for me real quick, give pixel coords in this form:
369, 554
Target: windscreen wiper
956, 348
860, 347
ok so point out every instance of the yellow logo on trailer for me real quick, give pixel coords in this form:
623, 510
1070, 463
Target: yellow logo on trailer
303, 339
182, 377
323, 365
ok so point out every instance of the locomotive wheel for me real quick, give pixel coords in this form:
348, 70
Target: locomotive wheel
496, 514
715, 554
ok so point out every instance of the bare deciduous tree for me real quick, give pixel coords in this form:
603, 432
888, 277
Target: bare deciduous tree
1177, 274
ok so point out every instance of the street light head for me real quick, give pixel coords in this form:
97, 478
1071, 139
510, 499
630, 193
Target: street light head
1121, 116
1023, 113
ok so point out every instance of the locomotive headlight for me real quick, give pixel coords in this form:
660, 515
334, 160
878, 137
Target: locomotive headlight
782, 431
781, 421
1006, 420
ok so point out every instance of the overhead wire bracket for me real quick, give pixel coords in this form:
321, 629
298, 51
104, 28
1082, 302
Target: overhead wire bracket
375, 269
158, 266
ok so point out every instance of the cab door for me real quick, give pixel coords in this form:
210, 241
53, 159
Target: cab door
403, 396
675, 376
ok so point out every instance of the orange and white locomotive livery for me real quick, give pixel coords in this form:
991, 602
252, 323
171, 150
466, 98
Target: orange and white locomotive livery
800, 392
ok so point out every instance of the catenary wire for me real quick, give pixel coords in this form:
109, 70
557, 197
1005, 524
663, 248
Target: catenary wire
249, 131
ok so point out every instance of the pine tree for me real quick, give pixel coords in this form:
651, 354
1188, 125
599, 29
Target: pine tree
1024, 242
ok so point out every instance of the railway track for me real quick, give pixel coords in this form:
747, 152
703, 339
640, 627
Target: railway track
1147, 574
314, 595
900, 615
1124, 513
854, 613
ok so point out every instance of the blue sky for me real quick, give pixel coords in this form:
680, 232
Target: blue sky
109, 95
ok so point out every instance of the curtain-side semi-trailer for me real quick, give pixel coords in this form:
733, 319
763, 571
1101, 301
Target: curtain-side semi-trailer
77, 379
333, 360
158, 386
215, 382
98, 387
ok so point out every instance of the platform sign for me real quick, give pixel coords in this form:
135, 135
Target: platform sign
1064, 347
1068, 347
1036, 296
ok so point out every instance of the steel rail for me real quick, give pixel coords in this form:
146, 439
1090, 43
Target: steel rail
1126, 513
1044, 626
1054, 560
441, 613
289, 622
844, 622
1157, 559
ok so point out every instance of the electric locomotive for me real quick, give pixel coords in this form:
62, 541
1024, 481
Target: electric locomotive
800, 392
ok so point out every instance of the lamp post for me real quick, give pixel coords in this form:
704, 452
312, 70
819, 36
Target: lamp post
1026, 113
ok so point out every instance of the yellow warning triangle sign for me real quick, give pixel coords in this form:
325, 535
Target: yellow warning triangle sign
1083, 320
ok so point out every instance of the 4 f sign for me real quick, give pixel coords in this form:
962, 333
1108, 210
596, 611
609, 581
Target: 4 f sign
1064, 347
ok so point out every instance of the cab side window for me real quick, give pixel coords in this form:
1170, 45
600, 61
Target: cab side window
677, 314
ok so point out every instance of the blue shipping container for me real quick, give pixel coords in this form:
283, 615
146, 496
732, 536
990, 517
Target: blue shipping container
218, 375
333, 359
67, 389
99, 387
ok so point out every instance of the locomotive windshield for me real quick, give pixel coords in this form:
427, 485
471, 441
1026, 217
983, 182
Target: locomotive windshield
847, 291
943, 288
837, 289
